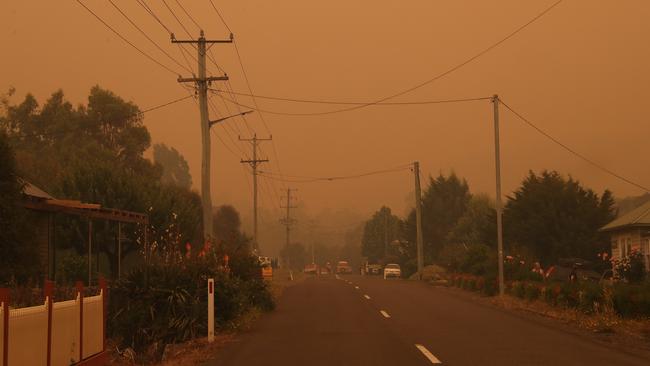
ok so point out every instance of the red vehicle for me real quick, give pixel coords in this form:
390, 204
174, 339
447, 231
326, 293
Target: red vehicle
343, 267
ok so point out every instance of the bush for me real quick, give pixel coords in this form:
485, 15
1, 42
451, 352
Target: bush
630, 268
160, 303
568, 295
532, 292
631, 300
590, 296
72, 268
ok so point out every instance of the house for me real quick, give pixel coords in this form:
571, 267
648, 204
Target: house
45, 210
631, 232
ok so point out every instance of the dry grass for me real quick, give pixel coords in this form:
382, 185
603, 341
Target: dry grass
605, 323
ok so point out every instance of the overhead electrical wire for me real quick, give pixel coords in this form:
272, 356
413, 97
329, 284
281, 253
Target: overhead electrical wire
442, 101
315, 101
429, 81
147, 37
305, 179
126, 40
248, 85
571, 150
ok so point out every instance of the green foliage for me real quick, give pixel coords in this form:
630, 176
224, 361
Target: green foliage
382, 229
95, 153
632, 300
18, 255
444, 202
477, 225
176, 171
475, 259
166, 302
72, 268
552, 217
631, 268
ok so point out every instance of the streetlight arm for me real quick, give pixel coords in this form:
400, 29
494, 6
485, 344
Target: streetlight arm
214, 122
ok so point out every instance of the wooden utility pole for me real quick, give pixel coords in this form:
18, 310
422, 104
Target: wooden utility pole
202, 83
288, 221
497, 163
418, 218
253, 163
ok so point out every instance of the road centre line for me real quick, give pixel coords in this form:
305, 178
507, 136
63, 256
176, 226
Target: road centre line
367, 297
385, 314
427, 354
356, 287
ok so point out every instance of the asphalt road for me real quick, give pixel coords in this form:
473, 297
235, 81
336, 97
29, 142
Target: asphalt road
359, 320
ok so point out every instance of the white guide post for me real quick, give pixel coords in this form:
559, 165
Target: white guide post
210, 309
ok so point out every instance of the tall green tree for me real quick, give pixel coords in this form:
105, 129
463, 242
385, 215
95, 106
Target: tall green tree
444, 202
551, 217
18, 256
378, 234
176, 171
477, 225
95, 153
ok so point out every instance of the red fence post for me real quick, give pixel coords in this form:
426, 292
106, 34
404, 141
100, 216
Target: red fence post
5, 298
104, 292
48, 291
80, 293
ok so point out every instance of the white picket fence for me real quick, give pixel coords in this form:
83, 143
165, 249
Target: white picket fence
71, 333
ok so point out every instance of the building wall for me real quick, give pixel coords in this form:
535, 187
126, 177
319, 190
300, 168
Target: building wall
625, 241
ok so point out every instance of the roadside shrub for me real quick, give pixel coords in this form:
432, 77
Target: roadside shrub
631, 300
71, 269
491, 287
550, 293
568, 295
532, 292
630, 268
519, 289
162, 303
590, 295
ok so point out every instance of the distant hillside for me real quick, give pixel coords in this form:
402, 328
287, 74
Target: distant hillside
628, 204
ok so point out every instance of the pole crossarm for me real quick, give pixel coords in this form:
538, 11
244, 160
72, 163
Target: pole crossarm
208, 79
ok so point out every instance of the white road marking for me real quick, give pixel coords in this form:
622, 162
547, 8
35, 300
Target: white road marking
427, 354
367, 297
356, 287
337, 277
385, 314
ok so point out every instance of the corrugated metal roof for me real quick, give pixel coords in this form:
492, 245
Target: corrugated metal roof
640, 216
32, 190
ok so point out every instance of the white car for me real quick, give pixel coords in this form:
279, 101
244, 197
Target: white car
392, 270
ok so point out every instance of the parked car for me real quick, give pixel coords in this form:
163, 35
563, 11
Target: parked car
311, 268
374, 269
392, 270
343, 267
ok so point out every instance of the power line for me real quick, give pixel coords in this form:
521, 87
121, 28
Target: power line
146, 7
220, 17
147, 36
429, 81
571, 150
304, 179
315, 101
188, 14
126, 40
443, 101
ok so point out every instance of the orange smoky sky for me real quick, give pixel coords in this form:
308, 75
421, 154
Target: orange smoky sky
581, 73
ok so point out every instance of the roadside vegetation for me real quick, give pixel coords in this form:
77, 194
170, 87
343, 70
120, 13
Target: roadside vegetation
551, 227
95, 153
